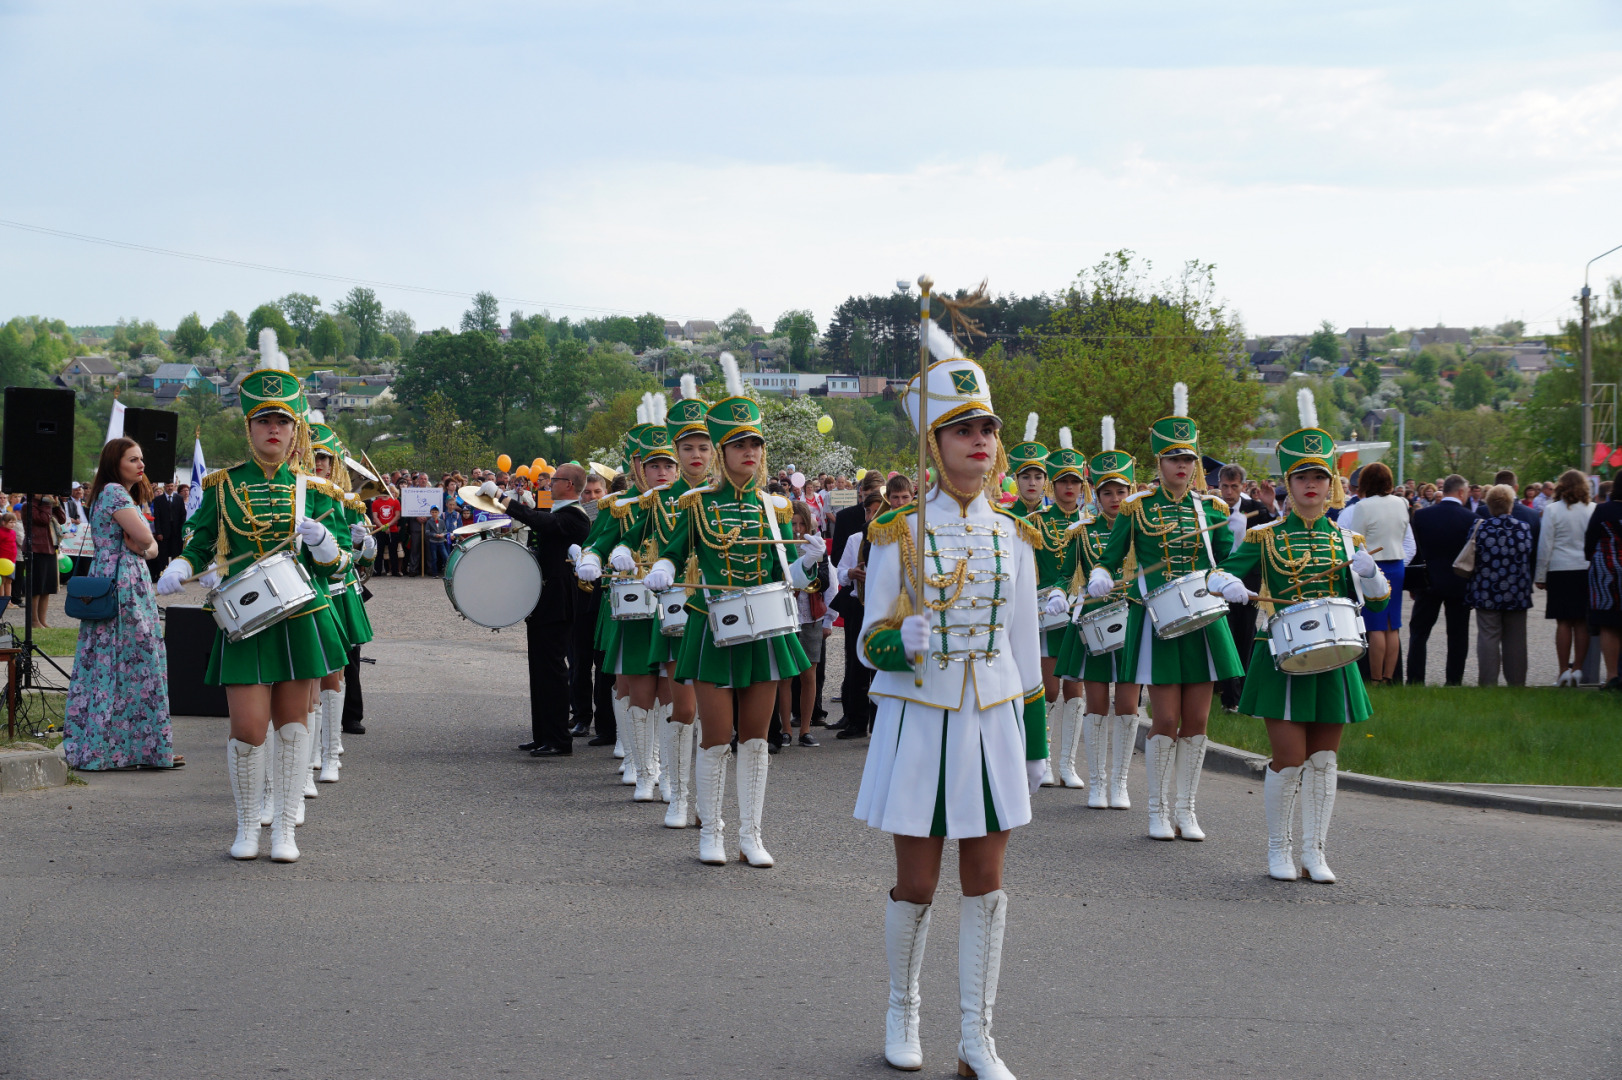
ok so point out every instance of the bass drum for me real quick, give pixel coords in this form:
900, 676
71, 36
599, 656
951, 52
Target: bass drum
492, 581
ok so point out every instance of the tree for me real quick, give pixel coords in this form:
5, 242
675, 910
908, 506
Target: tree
650, 332
1363, 347
302, 311
735, 328
448, 443
1424, 367
1369, 376
363, 306
190, 339
1469, 442
563, 389
389, 346
801, 330
453, 365
484, 315
326, 340
861, 347
1325, 343
1472, 386
230, 332
795, 440
269, 315
403, 328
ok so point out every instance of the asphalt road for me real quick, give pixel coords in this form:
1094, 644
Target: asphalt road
464, 910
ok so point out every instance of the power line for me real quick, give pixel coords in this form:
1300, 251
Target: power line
342, 278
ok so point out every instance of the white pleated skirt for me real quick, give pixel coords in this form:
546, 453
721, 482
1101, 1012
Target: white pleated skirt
945, 772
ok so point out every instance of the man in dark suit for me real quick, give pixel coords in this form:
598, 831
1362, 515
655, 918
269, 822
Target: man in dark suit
551, 534
852, 521
1241, 617
1440, 533
1517, 509
590, 688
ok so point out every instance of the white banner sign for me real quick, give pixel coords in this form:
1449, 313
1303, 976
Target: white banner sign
415, 502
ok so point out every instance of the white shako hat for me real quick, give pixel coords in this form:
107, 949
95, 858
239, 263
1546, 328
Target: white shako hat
958, 388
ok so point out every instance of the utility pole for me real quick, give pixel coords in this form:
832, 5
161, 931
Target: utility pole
1587, 462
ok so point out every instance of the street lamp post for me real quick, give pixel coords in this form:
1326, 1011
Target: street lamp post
1588, 366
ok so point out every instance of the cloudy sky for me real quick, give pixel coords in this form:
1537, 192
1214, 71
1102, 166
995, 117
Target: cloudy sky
1366, 163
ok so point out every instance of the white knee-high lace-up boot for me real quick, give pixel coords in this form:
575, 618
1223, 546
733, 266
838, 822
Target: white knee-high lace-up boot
655, 763
710, 784
641, 738
981, 921
1070, 733
337, 720
312, 724
291, 764
1160, 762
329, 724
753, 758
1279, 790
247, 767
906, 929
267, 802
1318, 781
1123, 740
667, 752
1050, 774
679, 774
627, 730
1096, 733
1190, 761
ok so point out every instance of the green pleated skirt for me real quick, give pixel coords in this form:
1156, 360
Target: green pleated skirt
629, 645
737, 666
350, 611
1332, 697
1077, 664
308, 645
1203, 656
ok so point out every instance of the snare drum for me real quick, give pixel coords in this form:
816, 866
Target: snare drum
673, 613
261, 596
629, 599
1184, 605
492, 580
1315, 636
746, 615
1047, 621
1103, 629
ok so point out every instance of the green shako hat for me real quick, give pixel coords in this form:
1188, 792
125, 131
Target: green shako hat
272, 386
1310, 447
689, 415
1030, 453
652, 439
1065, 461
1109, 463
1176, 434
734, 416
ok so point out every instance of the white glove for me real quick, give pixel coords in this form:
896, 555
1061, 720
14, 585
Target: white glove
812, 551
622, 560
320, 542
1363, 564
1034, 772
915, 633
210, 579
169, 583
489, 489
661, 577
589, 568
574, 553
1099, 583
1058, 603
368, 547
358, 534
1227, 586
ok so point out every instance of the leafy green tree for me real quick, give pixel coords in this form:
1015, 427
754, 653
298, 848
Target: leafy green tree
801, 330
563, 388
1325, 343
303, 311
484, 316
388, 346
735, 328
449, 443
1473, 443
269, 315
1363, 347
230, 332
1424, 367
1472, 386
327, 340
190, 339
1369, 376
861, 347
650, 332
363, 306
403, 328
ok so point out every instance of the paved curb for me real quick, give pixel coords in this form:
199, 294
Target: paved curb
32, 770
1230, 759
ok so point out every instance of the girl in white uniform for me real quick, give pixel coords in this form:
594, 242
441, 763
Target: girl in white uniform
960, 740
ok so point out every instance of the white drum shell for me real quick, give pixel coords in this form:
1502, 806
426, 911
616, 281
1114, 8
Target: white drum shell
261, 596
629, 599
673, 613
493, 581
754, 614
1184, 605
1316, 636
1103, 630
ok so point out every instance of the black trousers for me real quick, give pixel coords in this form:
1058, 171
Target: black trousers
585, 662
1427, 605
354, 704
1242, 625
549, 683
859, 708
388, 552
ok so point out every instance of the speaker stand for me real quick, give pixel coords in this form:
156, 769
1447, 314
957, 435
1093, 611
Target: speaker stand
29, 675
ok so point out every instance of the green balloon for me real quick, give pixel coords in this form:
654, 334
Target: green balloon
64, 563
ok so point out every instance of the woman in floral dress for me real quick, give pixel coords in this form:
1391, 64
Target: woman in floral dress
118, 700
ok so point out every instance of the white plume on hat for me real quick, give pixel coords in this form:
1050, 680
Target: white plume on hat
1064, 439
316, 416
642, 409
689, 387
660, 409
1030, 427
1307, 405
1179, 399
1106, 435
941, 345
269, 355
729, 368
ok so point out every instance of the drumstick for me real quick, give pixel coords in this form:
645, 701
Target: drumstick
701, 585
1333, 570
233, 560
1176, 539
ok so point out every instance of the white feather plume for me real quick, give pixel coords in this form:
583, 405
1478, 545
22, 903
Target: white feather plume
1307, 405
1179, 399
941, 345
729, 368
642, 409
317, 416
1030, 427
1064, 439
269, 355
689, 387
1106, 435
661, 409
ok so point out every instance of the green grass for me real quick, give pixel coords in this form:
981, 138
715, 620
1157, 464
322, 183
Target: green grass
55, 641
1469, 734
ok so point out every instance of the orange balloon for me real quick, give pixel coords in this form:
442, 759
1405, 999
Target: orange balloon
523, 470
503, 463
541, 462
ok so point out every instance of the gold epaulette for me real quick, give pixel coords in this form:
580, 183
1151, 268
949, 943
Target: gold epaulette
891, 526
325, 487
783, 507
690, 499
1220, 501
1030, 533
1255, 535
621, 508
214, 478
1357, 538
1136, 495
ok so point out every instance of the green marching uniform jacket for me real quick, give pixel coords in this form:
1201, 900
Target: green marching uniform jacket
1092, 533
1057, 552
1287, 551
627, 644
714, 519
347, 605
1154, 527
661, 515
244, 511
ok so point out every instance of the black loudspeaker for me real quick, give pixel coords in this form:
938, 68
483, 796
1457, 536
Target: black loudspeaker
39, 441
188, 637
155, 430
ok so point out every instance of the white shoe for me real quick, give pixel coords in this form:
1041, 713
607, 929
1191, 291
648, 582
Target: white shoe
667, 752
247, 767
1123, 740
1049, 773
1190, 760
1279, 791
1096, 732
291, 765
981, 920
267, 802
641, 740
1318, 781
753, 759
330, 706
1070, 736
709, 783
679, 774
1160, 761
906, 928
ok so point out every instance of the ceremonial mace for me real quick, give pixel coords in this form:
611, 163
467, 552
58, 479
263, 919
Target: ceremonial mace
925, 283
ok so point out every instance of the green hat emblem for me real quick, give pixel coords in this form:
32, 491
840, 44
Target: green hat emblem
1112, 465
733, 418
966, 381
273, 390
1066, 462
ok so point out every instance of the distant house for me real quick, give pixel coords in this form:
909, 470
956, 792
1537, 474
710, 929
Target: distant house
144, 384
844, 386
785, 382
176, 375
694, 329
1438, 335
1266, 356
1272, 373
1375, 334
88, 372
1376, 419
672, 330
361, 398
